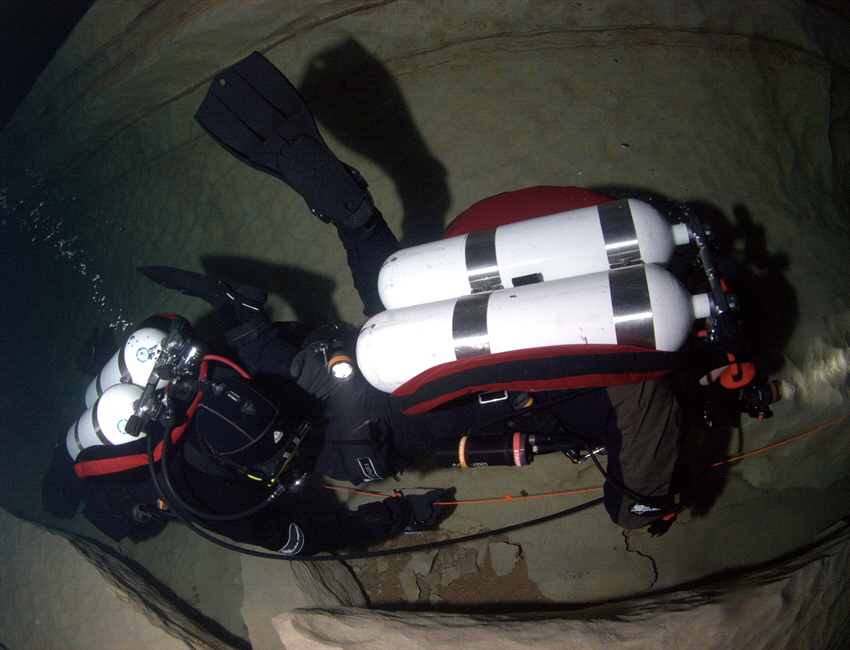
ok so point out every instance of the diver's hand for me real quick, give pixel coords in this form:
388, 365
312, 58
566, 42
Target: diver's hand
417, 512
310, 370
425, 510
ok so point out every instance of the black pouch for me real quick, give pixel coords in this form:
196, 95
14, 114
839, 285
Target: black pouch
238, 423
359, 455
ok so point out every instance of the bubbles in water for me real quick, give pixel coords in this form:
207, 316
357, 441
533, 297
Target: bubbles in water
40, 227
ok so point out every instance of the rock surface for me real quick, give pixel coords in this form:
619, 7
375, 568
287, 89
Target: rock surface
804, 603
740, 107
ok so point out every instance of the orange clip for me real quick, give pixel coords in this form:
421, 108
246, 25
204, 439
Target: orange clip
670, 516
737, 374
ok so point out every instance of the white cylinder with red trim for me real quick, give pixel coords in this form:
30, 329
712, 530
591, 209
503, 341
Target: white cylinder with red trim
132, 364
643, 305
104, 422
562, 245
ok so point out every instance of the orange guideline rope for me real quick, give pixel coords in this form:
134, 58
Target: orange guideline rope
782, 442
508, 497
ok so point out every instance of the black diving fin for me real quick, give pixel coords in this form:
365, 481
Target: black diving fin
254, 112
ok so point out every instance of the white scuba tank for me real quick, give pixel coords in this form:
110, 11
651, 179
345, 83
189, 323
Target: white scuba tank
642, 305
562, 245
103, 423
132, 364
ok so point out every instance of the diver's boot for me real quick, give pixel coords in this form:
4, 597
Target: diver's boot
254, 112
237, 303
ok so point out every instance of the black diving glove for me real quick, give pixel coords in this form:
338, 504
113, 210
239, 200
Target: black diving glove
322, 366
388, 518
417, 512
310, 370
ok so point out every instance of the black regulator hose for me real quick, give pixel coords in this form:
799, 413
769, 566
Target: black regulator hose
181, 502
166, 474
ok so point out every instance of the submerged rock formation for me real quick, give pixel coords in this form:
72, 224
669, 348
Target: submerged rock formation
741, 108
803, 602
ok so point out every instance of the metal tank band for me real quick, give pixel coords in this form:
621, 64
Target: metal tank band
482, 268
123, 371
618, 232
469, 326
97, 430
77, 440
632, 307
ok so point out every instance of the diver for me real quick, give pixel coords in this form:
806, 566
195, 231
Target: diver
255, 113
313, 419
216, 448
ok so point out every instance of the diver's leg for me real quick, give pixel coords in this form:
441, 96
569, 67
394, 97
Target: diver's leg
235, 302
254, 112
367, 248
642, 452
261, 347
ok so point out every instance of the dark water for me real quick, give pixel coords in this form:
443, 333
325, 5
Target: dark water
30, 33
51, 299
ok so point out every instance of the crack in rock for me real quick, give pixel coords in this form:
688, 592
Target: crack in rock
627, 539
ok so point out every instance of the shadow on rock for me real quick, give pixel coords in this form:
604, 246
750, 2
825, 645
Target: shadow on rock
357, 100
309, 294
